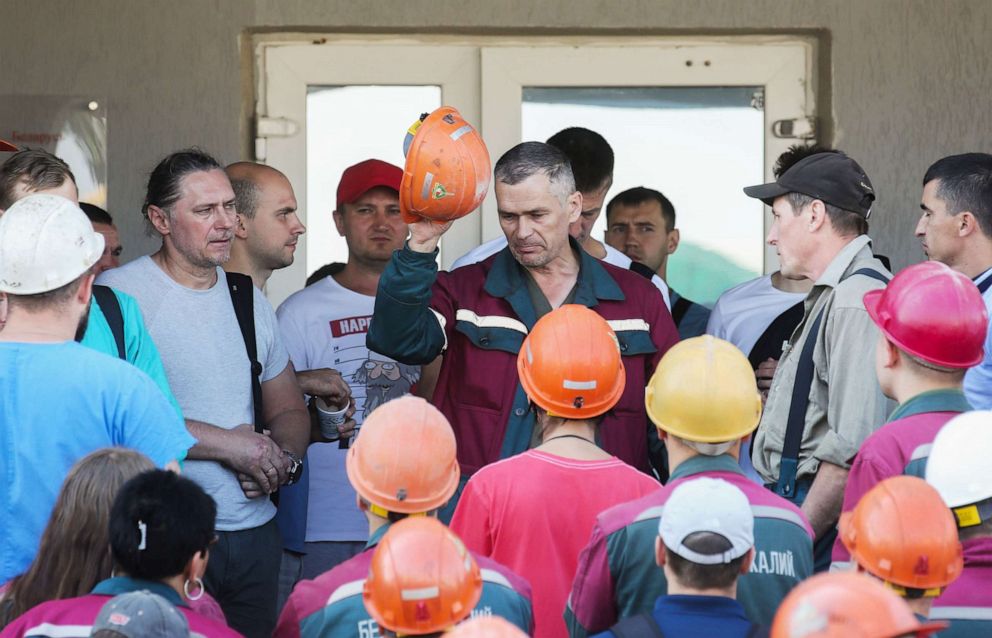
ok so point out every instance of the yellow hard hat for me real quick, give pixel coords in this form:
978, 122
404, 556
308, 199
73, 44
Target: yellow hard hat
704, 390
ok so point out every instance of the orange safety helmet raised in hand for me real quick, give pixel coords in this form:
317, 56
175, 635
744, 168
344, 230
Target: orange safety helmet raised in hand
846, 605
422, 580
570, 364
447, 170
902, 532
403, 459
487, 627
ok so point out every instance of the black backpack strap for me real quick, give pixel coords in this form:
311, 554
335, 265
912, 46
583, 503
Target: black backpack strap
242, 297
642, 270
679, 309
796, 423
111, 308
637, 626
769, 344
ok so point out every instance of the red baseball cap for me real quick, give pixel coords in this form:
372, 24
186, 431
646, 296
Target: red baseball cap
7, 147
364, 176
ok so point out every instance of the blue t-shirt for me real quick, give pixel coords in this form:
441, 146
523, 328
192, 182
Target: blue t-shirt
978, 380
58, 403
682, 616
138, 344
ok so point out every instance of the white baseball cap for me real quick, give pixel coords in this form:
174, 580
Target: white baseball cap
46, 241
707, 505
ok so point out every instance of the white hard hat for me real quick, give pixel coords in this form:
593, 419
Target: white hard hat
45, 242
959, 459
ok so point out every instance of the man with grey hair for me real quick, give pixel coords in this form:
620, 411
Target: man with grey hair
478, 315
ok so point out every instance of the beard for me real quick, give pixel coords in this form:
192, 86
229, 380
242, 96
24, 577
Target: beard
84, 320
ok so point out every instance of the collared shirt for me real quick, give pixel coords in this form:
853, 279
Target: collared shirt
479, 315
978, 380
845, 401
901, 446
617, 575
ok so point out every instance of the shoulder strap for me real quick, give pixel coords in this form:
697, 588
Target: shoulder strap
242, 297
679, 309
642, 270
796, 423
769, 344
111, 308
637, 626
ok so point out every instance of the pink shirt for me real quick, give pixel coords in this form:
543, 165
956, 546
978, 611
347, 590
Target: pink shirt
534, 513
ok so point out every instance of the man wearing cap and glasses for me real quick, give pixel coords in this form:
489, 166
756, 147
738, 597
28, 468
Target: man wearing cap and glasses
824, 399
703, 551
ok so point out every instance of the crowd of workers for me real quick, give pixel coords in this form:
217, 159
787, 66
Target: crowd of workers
546, 440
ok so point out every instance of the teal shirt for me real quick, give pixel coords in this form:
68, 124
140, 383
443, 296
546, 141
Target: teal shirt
140, 349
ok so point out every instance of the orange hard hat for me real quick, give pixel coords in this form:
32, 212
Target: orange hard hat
570, 363
846, 605
447, 170
902, 532
487, 627
422, 580
403, 459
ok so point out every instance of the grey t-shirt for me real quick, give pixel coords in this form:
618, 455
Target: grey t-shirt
197, 334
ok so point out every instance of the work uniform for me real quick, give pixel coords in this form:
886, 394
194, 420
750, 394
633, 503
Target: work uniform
967, 602
845, 402
690, 317
330, 606
617, 575
899, 447
478, 316
75, 616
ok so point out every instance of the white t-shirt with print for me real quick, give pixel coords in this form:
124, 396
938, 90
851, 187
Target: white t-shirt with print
324, 326
743, 313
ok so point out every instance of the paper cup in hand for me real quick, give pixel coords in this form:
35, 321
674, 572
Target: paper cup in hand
330, 419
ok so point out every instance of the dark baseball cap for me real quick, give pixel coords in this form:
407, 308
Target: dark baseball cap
833, 178
364, 176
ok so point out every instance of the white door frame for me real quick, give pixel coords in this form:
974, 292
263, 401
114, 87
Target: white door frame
483, 76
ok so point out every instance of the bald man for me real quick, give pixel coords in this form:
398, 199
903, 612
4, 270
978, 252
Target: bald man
268, 227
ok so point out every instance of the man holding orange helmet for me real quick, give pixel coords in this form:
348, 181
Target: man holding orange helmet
932, 324
571, 369
401, 465
478, 315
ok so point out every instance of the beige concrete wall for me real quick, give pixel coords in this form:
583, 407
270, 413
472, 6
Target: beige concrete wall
903, 82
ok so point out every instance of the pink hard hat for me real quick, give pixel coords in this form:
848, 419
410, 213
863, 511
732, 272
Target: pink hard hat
934, 313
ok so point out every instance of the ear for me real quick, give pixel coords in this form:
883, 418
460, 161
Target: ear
85, 289
197, 565
817, 215
338, 221
574, 206
890, 353
159, 220
240, 230
966, 223
659, 552
673, 241
746, 563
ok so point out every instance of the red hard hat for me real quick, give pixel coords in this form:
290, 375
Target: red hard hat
934, 313
447, 170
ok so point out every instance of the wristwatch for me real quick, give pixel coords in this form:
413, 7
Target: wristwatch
295, 468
